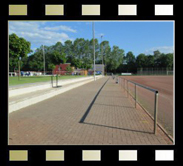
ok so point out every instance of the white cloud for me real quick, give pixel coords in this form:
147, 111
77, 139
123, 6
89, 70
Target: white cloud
162, 49
36, 33
61, 27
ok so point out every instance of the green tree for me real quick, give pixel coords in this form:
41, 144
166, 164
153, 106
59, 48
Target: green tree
78, 48
86, 63
18, 47
106, 51
157, 54
36, 61
165, 60
58, 57
169, 60
68, 68
51, 67
115, 59
57, 47
141, 60
77, 63
131, 62
157, 57
68, 48
150, 61
130, 57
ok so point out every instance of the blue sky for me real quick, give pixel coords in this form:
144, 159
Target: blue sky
138, 37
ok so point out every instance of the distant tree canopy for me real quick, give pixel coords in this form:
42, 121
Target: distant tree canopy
18, 47
158, 60
80, 54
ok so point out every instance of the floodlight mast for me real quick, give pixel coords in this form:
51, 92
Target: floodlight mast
19, 68
94, 51
102, 50
102, 55
44, 59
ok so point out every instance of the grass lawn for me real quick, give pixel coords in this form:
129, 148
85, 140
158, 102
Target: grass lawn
33, 79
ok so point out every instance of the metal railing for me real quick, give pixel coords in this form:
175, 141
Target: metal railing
52, 81
124, 83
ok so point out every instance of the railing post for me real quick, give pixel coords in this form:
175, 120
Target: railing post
124, 84
52, 81
127, 88
155, 112
57, 80
117, 80
135, 96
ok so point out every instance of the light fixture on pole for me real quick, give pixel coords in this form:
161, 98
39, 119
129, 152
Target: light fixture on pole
94, 51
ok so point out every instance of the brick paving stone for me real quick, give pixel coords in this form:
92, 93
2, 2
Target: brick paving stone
111, 120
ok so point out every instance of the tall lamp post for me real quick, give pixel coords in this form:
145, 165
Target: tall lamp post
94, 51
19, 68
102, 55
44, 59
102, 50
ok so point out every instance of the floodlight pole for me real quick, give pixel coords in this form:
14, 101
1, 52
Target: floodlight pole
102, 53
44, 59
94, 51
102, 50
19, 68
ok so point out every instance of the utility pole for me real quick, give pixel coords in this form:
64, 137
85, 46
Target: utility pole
19, 68
44, 59
94, 51
102, 51
103, 71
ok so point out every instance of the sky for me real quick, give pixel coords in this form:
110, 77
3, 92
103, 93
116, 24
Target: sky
138, 37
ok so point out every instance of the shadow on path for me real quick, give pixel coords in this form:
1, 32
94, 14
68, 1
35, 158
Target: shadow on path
99, 125
82, 120
91, 104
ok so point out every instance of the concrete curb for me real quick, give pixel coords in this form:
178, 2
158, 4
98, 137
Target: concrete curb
32, 88
35, 99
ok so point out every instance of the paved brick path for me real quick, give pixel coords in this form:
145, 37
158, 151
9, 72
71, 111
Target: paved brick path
79, 117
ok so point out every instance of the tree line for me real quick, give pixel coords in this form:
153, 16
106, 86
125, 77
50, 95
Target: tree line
80, 54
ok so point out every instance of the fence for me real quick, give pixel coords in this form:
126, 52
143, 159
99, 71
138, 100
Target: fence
62, 72
154, 71
133, 89
56, 81
12, 74
30, 73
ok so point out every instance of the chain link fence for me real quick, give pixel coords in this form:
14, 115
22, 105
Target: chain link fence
155, 71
